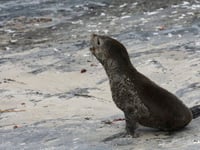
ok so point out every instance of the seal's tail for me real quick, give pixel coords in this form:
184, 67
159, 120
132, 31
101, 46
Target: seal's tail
195, 111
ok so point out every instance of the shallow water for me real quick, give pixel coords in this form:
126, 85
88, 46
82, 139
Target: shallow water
72, 22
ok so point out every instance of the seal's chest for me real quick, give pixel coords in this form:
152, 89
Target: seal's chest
126, 98
123, 93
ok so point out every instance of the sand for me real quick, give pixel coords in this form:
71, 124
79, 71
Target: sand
47, 103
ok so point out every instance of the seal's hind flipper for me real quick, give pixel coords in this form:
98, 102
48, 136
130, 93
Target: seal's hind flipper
195, 111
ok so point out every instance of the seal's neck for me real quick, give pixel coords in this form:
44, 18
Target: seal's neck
115, 69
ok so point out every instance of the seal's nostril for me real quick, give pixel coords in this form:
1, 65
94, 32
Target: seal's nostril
93, 35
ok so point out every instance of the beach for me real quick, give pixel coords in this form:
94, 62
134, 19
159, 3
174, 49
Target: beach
56, 95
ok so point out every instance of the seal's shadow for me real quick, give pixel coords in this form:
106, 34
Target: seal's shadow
144, 132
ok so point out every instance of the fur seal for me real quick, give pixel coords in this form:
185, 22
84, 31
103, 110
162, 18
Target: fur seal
142, 101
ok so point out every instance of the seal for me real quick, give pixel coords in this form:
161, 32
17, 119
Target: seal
142, 101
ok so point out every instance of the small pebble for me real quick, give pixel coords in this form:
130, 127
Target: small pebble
23, 104
83, 70
87, 118
93, 65
15, 127
161, 28
107, 122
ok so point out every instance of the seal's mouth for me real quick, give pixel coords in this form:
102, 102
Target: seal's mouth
92, 43
92, 49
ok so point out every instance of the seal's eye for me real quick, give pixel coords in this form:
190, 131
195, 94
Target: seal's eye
98, 42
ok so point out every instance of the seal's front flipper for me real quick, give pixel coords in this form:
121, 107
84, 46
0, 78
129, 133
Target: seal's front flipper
195, 111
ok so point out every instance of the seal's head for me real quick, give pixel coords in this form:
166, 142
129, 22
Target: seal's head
107, 49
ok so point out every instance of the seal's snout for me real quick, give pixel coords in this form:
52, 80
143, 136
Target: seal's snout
93, 35
94, 38
92, 42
